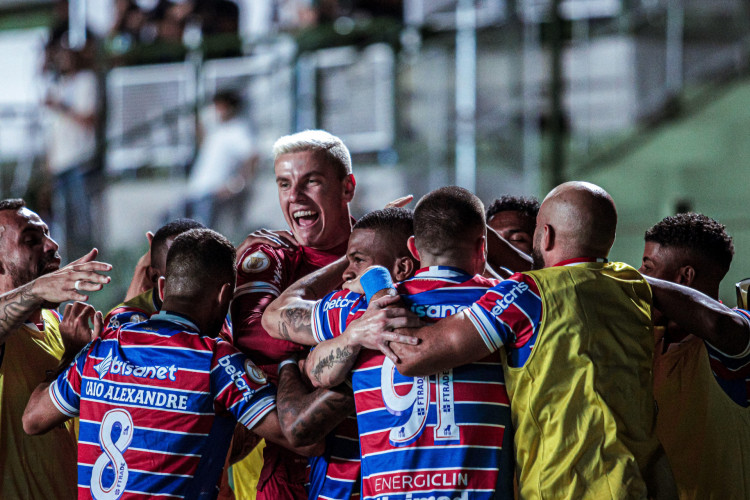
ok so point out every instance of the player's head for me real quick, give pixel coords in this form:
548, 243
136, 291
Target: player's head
576, 219
514, 218
314, 177
690, 249
162, 240
450, 230
380, 239
26, 249
200, 278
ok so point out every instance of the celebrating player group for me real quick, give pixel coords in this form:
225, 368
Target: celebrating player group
449, 352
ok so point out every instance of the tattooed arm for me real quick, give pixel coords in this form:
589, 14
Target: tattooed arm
16, 306
289, 316
330, 362
308, 416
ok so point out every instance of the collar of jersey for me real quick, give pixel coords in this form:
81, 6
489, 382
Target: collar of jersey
175, 318
580, 260
439, 272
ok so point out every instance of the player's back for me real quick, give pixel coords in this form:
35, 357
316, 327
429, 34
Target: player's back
442, 435
154, 408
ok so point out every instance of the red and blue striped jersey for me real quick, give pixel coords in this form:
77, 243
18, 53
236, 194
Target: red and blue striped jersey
336, 474
732, 372
158, 403
447, 435
509, 315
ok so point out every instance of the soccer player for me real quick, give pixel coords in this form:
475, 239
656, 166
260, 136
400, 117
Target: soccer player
702, 359
159, 400
446, 434
378, 238
514, 218
576, 338
146, 303
315, 184
32, 342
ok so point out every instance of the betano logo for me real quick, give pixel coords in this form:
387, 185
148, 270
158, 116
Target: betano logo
112, 364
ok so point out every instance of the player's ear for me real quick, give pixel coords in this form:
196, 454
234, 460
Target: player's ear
160, 284
349, 183
412, 246
225, 294
685, 276
153, 275
548, 237
403, 268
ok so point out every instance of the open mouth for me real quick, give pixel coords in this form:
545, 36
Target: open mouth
305, 218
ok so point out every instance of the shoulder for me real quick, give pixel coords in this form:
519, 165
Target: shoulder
260, 258
340, 299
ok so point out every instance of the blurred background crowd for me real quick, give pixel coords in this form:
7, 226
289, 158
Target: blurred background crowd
117, 115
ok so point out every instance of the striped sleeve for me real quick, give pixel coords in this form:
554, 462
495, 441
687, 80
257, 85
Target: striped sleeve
240, 387
329, 315
65, 391
509, 315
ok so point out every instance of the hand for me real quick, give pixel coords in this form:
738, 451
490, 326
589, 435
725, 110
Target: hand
354, 285
141, 280
400, 202
275, 239
75, 329
60, 286
374, 329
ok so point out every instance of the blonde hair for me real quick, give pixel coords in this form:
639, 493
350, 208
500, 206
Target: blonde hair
330, 146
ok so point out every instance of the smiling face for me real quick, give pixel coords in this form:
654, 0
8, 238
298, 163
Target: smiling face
515, 227
26, 247
314, 199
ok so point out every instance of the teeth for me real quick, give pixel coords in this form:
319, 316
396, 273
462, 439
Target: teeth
303, 213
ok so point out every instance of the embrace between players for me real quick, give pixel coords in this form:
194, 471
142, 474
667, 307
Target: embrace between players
429, 378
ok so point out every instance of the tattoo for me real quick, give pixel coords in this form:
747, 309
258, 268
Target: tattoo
339, 357
309, 415
15, 308
296, 320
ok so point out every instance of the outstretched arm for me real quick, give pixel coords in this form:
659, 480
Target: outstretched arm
288, 317
702, 316
71, 282
307, 416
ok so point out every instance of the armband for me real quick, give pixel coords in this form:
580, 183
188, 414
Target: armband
375, 279
289, 361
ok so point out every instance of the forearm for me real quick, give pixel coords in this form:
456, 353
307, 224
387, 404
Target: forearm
308, 416
331, 361
449, 343
289, 316
15, 308
500, 253
701, 315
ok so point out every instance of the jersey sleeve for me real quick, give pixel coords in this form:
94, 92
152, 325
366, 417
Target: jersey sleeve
239, 387
330, 315
730, 367
509, 315
124, 314
262, 274
65, 391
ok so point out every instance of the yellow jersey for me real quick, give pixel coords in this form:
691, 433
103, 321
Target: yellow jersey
33, 467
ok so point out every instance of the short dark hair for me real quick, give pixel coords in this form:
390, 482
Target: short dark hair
228, 97
395, 221
12, 203
697, 234
198, 259
447, 217
526, 205
168, 230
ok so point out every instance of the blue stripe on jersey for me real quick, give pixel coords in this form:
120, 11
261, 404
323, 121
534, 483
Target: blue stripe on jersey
433, 294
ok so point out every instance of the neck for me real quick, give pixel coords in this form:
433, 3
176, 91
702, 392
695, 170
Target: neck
192, 309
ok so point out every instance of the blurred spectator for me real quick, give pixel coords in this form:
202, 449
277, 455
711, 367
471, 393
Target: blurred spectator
225, 163
72, 102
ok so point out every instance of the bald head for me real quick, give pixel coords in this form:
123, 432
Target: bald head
576, 219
